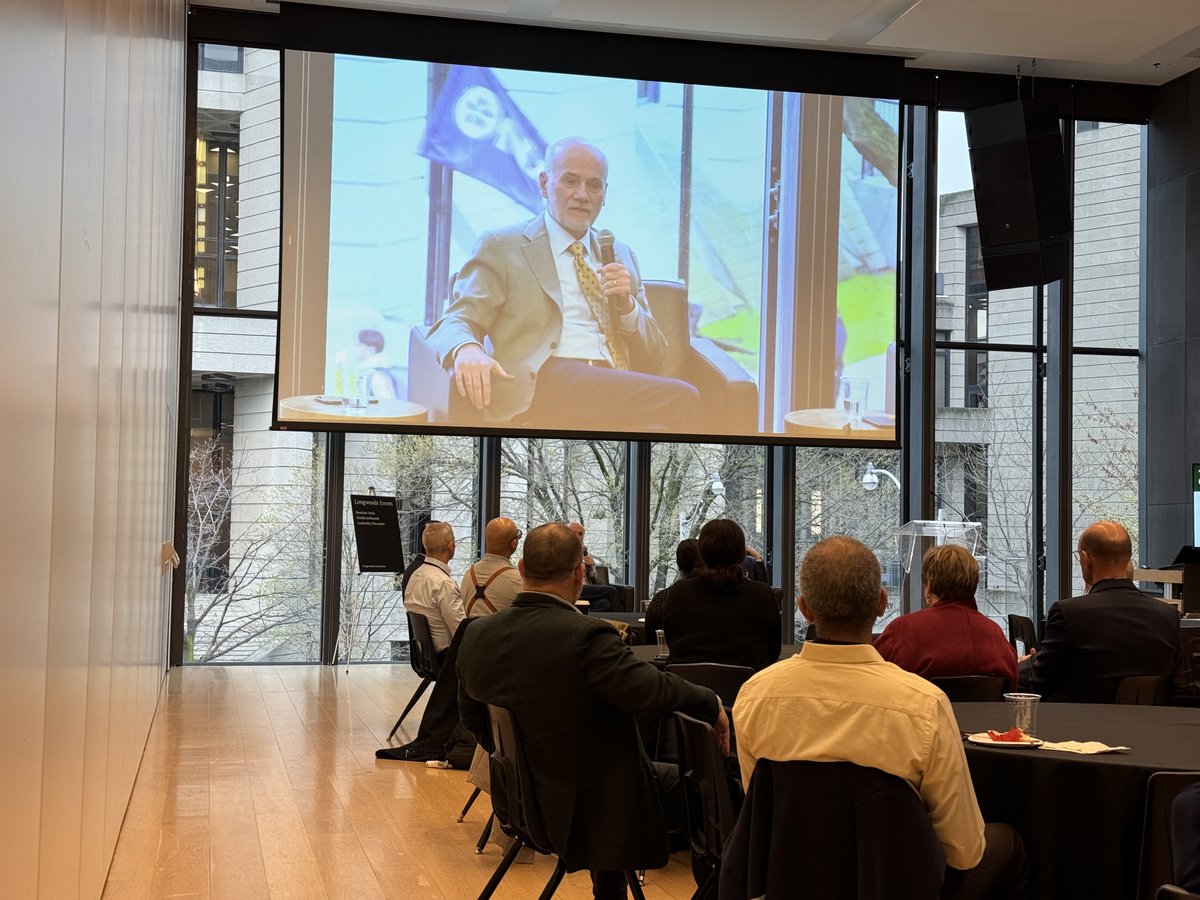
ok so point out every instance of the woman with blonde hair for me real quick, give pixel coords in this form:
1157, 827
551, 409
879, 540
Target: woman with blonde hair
950, 636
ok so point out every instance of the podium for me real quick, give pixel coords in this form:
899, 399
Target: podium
914, 538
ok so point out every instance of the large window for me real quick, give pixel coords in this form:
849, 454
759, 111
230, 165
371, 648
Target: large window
569, 481
254, 548
237, 179
854, 492
691, 484
431, 478
1109, 185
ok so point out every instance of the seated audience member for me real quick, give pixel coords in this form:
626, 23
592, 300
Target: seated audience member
755, 566
839, 700
1112, 631
687, 563
432, 591
576, 696
950, 636
600, 595
492, 583
720, 616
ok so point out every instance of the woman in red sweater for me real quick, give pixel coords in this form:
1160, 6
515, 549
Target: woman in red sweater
950, 636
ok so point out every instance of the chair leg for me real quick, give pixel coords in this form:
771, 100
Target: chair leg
708, 887
470, 800
411, 703
501, 870
485, 834
556, 878
635, 886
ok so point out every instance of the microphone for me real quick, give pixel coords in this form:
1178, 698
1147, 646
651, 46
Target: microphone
605, 239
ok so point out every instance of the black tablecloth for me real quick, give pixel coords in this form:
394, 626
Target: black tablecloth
1081, 816
647, 652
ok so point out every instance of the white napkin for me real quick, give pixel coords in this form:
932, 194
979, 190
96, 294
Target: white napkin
1086, 747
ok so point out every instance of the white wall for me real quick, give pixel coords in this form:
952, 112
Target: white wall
91, 94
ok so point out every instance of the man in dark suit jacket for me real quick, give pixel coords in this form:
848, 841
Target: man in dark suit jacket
1113, 631
576, 692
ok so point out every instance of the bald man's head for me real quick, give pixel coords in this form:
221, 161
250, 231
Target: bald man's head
500, 536
1105, 551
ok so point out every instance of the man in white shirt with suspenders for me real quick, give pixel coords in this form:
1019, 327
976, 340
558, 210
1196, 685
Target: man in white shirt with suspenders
492, 583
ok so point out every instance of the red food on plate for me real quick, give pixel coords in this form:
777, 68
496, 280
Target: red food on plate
1012, 736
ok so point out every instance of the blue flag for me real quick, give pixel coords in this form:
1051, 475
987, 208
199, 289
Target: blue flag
475, 128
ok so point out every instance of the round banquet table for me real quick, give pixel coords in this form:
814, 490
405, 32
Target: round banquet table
1081, 816
381, 412
832, 423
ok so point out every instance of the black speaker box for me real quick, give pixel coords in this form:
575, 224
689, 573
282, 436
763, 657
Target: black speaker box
1022, 198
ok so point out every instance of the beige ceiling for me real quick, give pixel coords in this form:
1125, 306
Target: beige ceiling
1136, 41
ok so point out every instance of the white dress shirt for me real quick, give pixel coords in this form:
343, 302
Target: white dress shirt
433, 593
581, 336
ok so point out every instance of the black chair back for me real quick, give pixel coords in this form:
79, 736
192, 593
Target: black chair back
710, 800
847, 830
723, 680
1143, 690
421, 655
973, 688
516, 810
1021, 628
515, 806
1156, 865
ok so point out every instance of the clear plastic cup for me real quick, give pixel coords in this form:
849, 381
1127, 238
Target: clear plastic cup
1024, 709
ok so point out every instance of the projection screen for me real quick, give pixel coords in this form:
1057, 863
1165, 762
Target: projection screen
754, 239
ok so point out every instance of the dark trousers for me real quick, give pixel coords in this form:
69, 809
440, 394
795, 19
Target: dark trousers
1002, 874
573, 394
601, 597
611, 885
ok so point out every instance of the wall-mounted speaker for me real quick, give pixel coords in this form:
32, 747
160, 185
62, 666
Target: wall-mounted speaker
1022, 198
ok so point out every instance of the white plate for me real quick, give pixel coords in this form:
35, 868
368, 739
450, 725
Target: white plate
983, 739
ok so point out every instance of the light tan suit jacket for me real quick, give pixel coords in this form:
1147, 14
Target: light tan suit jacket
508, 298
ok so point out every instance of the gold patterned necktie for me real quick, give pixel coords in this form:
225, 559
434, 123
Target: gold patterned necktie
599, 305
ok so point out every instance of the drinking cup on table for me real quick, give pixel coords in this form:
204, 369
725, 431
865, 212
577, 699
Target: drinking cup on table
853, 396
663, 652
1024, 708
584, 606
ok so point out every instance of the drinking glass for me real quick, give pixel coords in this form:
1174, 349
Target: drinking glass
853, 396
1024, 709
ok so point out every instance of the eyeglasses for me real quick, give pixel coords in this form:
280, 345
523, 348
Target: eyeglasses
1078, 554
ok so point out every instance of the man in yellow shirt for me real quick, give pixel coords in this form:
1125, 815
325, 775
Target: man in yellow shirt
839, 701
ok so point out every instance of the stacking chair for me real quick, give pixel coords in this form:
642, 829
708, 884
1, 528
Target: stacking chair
516, 807
422, 658
1143, 690
709, 802
1156, 867
1021, 628
723, 680
846, 830
973, 688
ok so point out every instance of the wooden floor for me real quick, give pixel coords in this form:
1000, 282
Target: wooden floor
262, 782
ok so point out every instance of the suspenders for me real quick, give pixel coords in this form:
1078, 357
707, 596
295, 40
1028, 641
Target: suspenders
481, 589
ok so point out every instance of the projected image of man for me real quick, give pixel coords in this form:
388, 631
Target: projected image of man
570, 338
